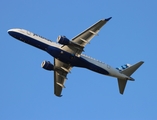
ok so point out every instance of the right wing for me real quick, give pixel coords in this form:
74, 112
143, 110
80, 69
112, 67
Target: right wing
80, 41
83, 38
60, 72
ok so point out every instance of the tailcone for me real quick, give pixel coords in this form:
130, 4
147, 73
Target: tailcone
131, 79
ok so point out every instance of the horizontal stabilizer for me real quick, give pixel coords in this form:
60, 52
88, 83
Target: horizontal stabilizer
122, 84
129, 71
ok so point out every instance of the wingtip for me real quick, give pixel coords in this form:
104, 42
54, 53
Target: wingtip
108, 19
142, 62
121, 93
59, 95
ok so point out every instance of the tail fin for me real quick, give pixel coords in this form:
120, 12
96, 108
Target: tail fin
129, 71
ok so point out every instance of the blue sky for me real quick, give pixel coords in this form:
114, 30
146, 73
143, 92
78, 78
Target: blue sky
26, 90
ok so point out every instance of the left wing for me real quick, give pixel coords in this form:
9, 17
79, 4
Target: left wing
81, 40
60, 72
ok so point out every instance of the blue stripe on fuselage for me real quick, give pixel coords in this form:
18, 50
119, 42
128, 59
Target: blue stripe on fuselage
96, 68
74, 60
29, 40
60, 54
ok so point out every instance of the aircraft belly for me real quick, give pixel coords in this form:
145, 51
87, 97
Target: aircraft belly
94, 66
117, 74
98, 69
65, 57
73, 60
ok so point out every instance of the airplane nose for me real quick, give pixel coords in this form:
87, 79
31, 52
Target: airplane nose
9, 32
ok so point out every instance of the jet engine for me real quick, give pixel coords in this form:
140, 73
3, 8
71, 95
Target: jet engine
47, 65
63, 40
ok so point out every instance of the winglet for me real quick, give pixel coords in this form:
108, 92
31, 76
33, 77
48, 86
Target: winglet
108, 19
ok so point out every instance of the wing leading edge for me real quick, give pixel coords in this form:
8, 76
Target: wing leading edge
83, 38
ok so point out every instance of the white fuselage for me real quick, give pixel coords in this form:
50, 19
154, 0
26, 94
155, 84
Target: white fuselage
55, 50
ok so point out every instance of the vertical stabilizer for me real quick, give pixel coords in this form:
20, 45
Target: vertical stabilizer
129, 71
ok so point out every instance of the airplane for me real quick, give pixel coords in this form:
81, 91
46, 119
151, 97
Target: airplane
68, 54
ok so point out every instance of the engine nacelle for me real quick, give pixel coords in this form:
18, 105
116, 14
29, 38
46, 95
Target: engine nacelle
63, 40
47, 65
